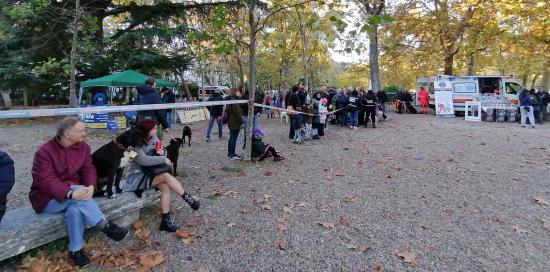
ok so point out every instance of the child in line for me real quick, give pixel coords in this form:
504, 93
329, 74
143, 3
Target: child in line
316, 122
297, 123
308, 109
261, 150
323, 111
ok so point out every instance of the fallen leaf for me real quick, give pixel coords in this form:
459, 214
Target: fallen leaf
259, 200
408, 147
327, 225
142, 233
388, 176
184, 233
266, 196
541, 202
281, 245
281, 226
339, 174
245, 211
351, 246
151, 259
188, 240
265, 207
349, 199
193, 222
287, 209
546, 224
302, 204
520, 230
231, 224
344, 222
269, 173
201, 269
364, 248
377, 268
323, 209
407, 257
138, 224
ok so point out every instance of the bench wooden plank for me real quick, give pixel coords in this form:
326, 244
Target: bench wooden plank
22, 229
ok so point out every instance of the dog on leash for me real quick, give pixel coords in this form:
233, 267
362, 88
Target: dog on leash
107, 161
284, 117
186, 133
173, 152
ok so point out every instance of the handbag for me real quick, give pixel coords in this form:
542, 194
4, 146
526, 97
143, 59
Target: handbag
155, 170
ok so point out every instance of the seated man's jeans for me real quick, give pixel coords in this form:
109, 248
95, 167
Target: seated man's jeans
78, 215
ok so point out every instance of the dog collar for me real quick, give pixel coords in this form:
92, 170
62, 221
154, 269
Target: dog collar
119, 145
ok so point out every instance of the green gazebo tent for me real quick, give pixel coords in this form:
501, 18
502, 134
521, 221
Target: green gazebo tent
129, 78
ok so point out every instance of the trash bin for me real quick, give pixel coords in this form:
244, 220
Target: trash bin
501, 115
489, 115
512, 115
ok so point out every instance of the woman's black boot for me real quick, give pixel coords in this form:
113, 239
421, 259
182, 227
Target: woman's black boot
166, 223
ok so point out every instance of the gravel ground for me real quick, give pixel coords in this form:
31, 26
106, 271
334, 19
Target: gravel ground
458, 195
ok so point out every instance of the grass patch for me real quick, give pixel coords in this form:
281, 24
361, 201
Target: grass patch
232, 168
212, 197
182, 173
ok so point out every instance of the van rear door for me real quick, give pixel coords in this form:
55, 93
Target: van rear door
463, 91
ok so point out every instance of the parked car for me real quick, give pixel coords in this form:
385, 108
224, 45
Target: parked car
209, 90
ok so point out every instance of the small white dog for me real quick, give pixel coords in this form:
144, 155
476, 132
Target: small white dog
284, 117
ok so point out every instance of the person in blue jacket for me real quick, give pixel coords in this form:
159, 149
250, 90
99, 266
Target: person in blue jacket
7, 179
148, 95
99, 99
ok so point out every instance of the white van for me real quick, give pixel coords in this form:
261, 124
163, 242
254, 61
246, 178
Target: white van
466, 88
209, 90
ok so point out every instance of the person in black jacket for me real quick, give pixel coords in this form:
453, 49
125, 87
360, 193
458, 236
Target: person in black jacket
536, 105
148, 95
294, 102
544, 98
369, 104
215, 115
168, 97
382, 99
7, 179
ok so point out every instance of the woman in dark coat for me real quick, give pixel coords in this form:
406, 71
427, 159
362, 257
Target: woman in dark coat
234, 123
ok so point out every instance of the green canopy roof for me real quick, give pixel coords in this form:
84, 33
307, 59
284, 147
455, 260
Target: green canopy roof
129, 78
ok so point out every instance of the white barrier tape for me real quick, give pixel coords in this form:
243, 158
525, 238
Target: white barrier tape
287, 110
109, 109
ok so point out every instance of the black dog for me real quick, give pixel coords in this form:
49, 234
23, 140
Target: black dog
186, 132
173, 152
107, 161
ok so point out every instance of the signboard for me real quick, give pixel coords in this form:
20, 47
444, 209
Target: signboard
95, 120
443, 99
190, 116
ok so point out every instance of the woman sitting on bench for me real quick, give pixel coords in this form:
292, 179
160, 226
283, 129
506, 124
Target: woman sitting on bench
147, 156
64, 180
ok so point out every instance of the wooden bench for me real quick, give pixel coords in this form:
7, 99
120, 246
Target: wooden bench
22, 229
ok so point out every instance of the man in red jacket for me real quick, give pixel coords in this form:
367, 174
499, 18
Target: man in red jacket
64, 180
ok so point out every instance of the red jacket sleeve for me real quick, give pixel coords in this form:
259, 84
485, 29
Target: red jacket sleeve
44, 178
87, 172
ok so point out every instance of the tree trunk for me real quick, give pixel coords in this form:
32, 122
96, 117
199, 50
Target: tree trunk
252, 76
534, 81
546, 76
7, 100
72, 89
25, 97
471, 63
449, 59
127, 94
373, 60
304, 57
524, 80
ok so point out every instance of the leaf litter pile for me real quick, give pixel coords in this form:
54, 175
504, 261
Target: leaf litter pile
418, 193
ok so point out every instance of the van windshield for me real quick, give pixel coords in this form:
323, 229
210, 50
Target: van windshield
513, 88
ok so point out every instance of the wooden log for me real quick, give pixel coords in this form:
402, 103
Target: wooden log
22, 229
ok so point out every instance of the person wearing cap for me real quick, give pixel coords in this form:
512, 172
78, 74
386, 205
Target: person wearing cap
526, 108
148, 95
